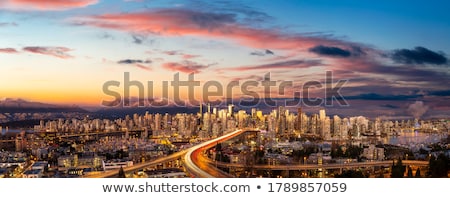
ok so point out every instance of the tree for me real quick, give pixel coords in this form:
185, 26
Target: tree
259, 156
351, 174
418, 173
219, 156
122, 173
438, 167
410, 175
398, 170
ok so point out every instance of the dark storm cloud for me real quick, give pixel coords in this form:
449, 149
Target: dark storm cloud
330, 51
419, 55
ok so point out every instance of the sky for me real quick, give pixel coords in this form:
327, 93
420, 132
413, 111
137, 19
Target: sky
392, 55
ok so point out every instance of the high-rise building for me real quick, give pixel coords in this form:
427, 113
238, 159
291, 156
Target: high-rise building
322, 114
299, 119
230, 110
201, 111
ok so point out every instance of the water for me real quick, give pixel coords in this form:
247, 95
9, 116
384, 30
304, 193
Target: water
14, 130
408, 138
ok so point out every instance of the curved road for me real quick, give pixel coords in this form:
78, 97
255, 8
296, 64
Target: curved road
198, 166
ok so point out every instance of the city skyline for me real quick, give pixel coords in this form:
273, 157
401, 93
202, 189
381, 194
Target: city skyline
394, 55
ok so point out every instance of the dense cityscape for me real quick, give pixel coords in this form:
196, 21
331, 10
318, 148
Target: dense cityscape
225, 89
280, 143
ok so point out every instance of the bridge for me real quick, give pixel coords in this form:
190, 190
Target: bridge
323, 166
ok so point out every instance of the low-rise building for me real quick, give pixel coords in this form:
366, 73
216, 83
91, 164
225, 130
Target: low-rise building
373, 153
33, 173
116, 164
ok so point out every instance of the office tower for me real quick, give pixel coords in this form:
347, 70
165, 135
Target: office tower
299, 119
322, 114
201, 110
215, 111
230, 110
260, 116
253, 112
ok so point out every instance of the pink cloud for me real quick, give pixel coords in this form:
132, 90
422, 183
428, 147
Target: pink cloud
144, 67
171, 53
8, 50
185, 67
60, 52
176, 22
47, 4
183, 55
190, 56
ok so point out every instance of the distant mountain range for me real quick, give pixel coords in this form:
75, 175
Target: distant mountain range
11, 105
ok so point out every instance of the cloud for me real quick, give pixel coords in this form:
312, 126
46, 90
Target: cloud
189, 56
390, 106
419, 55
290, 64
2, 24
137, 39
184, 22
8, 50
46, 4
144, 67
440, 93
417, 109
60, 52
133, 61
243, 13
269, 52
171, 53
251, 77
330, 51
185, 67
183, 55
262, 53
136, 63
375, 96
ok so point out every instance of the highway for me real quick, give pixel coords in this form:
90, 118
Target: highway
140, 166
193, 158
196, 163
323, 166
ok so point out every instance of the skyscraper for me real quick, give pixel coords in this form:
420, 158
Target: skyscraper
299, 119
322, 114
230, 110
201, 110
